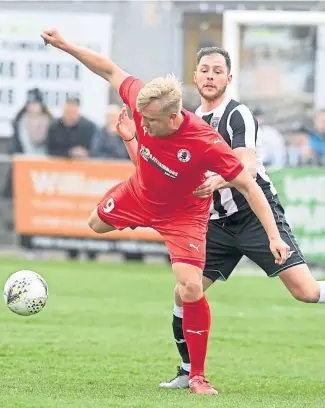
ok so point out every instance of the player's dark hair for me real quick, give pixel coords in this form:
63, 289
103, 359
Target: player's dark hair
214, 50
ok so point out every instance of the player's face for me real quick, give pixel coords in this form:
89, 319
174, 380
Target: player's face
157, 123
212, 77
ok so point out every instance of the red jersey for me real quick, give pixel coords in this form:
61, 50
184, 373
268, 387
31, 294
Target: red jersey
170, 168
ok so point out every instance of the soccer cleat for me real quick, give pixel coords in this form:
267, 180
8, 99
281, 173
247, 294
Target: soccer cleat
200, 385
180, 381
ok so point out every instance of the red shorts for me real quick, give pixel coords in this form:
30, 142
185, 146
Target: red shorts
185, 236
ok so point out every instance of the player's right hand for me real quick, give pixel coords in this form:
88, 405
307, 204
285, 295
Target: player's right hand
53, 37
280, 250
125, 126
207, 188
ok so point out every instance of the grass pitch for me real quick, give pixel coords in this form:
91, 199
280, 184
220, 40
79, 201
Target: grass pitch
105, 340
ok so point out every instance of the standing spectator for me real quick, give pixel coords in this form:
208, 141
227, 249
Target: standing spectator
70, 135
106, 142
317, 137
274, 149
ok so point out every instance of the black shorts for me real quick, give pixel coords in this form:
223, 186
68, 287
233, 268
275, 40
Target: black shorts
229, 239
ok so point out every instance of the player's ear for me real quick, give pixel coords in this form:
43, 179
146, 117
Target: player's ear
229, 79
194, 77
173, 116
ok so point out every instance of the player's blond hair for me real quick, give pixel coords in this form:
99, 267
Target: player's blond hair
167, 90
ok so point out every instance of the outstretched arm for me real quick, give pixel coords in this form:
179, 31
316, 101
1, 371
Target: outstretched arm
97, 63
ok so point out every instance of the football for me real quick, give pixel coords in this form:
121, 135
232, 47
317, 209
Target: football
25, 293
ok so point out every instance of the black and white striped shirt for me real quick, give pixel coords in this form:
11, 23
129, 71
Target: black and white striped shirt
237, 125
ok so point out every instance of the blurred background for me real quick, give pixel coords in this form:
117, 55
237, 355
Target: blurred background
59, 151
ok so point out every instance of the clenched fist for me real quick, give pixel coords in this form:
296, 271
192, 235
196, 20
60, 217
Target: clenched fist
54, 38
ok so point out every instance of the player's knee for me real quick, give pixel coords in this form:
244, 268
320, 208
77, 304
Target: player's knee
308, 294
96, 224
177, 296
191, 290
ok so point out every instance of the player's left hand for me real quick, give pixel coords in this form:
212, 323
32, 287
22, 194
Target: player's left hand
280, 250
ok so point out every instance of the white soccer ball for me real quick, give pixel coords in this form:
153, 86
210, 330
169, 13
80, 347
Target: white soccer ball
25, 293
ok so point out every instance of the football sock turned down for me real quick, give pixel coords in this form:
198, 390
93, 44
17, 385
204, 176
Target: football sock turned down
196, 328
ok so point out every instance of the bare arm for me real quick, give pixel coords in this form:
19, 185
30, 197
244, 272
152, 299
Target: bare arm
248, 157
215, 182
97, 63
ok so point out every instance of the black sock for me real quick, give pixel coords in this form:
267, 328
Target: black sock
180, 340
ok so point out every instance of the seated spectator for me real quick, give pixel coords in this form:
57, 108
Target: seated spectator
299, 151
70, 135
106, 142
317, 137
273, 144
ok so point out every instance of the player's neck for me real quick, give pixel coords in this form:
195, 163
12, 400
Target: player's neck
208, 106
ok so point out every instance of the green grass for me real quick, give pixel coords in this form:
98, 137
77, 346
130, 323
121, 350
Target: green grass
104, 340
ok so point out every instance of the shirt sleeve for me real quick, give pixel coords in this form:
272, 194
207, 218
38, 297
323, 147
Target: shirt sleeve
242, 128
220, 159
129, 91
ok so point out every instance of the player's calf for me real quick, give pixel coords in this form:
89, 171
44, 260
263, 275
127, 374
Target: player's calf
97, 225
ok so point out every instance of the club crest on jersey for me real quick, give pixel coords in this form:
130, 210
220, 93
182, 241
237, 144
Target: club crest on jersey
215, 122
184, 155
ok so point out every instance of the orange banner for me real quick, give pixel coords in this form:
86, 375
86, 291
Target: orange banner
56, 196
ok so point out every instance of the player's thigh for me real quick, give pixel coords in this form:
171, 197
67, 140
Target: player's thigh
120, 209
222, 256
254, 243
185, 239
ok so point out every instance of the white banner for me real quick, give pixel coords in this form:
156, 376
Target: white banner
25, 62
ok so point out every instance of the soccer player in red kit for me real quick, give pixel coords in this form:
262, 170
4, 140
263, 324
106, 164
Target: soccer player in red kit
171, 163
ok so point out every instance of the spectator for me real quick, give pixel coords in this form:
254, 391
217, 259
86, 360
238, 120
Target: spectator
273, 144
317, 137
106, 142
30, 127
71, 135
299, 151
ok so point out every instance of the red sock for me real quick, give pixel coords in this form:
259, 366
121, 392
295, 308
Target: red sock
196, 327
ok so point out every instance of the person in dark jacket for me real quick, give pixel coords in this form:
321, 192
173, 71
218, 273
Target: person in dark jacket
106, 143
70, 135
